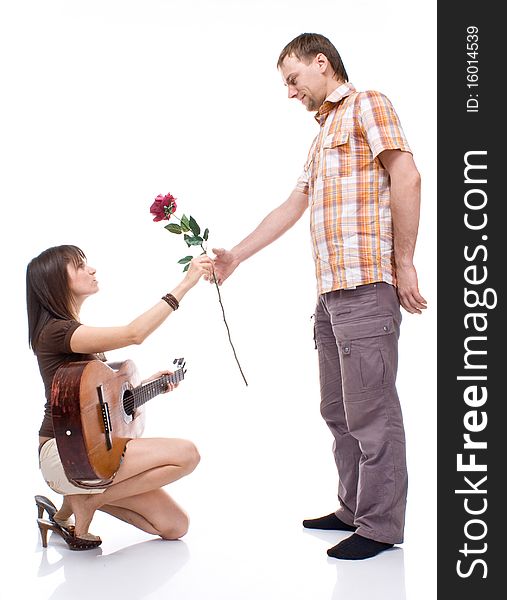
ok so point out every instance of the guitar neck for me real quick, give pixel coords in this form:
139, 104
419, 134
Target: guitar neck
147, 391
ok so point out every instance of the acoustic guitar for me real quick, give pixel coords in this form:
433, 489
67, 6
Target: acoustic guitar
96, 409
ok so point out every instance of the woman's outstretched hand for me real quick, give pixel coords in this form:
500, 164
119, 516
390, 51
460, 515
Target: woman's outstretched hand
199, 266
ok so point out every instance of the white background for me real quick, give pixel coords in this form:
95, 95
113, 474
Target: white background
106, 104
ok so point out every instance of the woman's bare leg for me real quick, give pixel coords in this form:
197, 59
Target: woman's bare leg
65, 511
149, 464
154, 512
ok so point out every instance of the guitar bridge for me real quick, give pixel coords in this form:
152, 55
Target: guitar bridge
106, 418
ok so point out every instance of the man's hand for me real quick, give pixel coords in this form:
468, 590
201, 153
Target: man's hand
408, 290
224, 264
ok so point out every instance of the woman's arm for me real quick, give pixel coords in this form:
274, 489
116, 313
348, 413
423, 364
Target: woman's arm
90, 340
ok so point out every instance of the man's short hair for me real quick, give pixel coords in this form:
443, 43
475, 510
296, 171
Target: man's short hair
306, 46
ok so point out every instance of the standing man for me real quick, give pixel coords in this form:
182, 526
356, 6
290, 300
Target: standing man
363, 190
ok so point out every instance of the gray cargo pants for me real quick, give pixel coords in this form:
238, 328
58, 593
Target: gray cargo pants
356, 333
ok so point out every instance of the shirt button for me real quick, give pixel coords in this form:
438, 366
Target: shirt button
385, 328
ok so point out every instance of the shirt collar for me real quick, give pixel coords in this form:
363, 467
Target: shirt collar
342, 91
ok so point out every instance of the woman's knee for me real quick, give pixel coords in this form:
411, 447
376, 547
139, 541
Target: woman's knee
190, 456
176, 529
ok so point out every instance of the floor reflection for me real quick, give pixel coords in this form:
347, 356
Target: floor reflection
381, 577
134, 572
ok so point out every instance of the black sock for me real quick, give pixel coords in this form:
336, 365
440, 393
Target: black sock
357, 547
328, 522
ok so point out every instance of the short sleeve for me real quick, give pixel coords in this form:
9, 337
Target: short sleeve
302, 183
380, 123
57, 335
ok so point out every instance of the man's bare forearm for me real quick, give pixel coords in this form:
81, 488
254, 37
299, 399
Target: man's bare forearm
275, 224
405, 203
405, 209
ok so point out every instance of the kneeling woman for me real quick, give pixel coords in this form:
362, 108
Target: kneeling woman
58, 282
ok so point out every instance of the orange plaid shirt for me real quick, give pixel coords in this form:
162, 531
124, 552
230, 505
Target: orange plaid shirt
348, 189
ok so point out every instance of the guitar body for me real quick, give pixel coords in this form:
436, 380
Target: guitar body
91, 424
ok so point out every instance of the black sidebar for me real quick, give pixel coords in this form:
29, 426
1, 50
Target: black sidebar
472, 331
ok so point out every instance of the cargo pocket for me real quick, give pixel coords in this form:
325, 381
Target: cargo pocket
336, 155
367, 353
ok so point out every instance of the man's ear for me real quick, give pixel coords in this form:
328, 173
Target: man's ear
322, 62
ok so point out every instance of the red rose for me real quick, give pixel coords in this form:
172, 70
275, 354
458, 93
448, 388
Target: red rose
163, 207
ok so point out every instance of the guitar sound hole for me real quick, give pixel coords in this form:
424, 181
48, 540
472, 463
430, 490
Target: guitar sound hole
128, 402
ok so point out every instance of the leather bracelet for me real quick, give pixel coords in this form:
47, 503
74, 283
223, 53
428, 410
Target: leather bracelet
171, 300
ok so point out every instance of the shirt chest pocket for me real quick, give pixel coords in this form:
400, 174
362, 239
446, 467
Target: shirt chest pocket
336, 159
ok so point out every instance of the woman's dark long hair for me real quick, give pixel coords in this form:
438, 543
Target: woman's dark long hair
48, 295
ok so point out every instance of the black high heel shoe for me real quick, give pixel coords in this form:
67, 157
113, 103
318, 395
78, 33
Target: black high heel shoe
73, 542
45, 504
62, 528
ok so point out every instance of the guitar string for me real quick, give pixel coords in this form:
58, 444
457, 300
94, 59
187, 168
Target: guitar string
144, 393
141, 395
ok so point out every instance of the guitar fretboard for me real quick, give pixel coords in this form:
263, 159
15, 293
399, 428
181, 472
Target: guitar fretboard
140, 395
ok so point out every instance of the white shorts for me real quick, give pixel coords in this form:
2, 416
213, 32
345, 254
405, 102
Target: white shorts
53, 472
